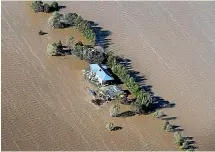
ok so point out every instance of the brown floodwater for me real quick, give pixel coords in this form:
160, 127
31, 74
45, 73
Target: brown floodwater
45, 102
172, 45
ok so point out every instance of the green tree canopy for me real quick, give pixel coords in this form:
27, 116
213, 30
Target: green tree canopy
47, 8
70, 18
52, 49
55, 6
37, 6
55, 20
114, 110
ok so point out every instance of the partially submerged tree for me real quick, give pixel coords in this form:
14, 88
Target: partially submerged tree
55, 6
54, 20
70, 41
47, 8
158, 114
136, 108
169, 127
185, 145
110, 126
166, 123
52, 49
37, 6
178, 138
114, 110
70, 18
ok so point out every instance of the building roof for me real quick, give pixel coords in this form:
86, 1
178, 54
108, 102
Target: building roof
101, 71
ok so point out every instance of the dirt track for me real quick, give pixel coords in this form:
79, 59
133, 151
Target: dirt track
42, 98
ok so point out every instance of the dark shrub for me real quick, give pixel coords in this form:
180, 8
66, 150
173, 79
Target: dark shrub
37, 6
54, 6
47, 8
70, 19
79, 43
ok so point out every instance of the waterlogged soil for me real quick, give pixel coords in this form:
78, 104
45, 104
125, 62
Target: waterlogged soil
45, 100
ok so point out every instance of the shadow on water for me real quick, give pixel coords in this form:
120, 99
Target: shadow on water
168, 118
157, 101
61, 7
126, 114
117, 128
101, 35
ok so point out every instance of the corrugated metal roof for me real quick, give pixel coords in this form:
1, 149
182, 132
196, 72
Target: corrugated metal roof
101, 71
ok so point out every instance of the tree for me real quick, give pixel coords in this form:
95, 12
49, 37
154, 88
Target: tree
114, 110
185, 145
47, 8
110, 126
169, 127
131, 83
79, 43
70, 18
78, 21
59, 44
55, 20
166, 123
55, 6
136, 108
78, 51
52, 49
178, 138
37, 6
135, 89
156, 114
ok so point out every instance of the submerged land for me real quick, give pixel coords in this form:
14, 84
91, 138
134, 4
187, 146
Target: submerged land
45, 100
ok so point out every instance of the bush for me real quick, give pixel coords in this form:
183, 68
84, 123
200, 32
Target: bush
178, 138
78, 51
79, 43
88, 54
110, 126
55, 6
70, 19
47, 8
52, 49
55, 20
37, 6
41, 32
185, 145
158, 114
114, 110
169, 127
136, 108
166, 123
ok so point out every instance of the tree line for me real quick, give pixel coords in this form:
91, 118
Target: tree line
92, 55
57, 20
83, 52
143, 100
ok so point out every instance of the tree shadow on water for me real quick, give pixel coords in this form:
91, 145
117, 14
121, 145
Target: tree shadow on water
117, 128
61, 7
101, 35
168, 118
126, 114
157, 102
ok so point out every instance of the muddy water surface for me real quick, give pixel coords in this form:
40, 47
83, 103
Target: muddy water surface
45, 103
